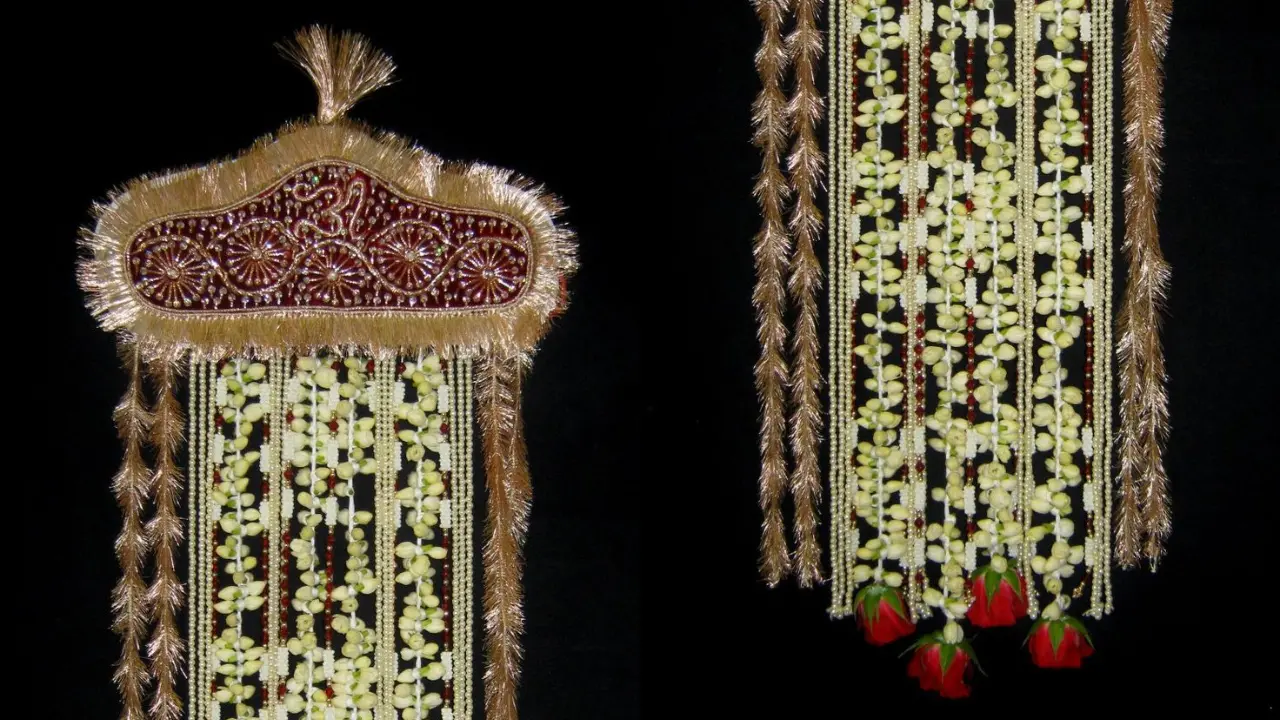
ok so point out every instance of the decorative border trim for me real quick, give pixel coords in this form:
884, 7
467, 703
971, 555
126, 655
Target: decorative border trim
505, 330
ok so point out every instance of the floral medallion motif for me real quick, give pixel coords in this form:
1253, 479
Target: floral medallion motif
172, 275
331, 235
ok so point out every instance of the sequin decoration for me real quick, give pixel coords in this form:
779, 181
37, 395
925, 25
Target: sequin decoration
331, 235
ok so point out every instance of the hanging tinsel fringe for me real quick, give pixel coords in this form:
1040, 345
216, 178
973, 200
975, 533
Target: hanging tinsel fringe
344, 67
805, 165
131, 489
771, 248
1144, 518
775, 120
164, 535
507, 474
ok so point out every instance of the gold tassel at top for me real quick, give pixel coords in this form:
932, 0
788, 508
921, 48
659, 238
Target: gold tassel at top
1144, 519
805, 165
164, 534
131, 489
344, 67
507, 475
771, 247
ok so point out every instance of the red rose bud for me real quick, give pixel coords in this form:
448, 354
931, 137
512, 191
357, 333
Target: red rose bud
942, 666
999, 598
1059, 643
881, 614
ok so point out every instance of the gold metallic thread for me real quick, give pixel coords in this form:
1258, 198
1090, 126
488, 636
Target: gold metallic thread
805, 166
498, 393
1144, 519
164, 534
131, 487
344, 68
771, 248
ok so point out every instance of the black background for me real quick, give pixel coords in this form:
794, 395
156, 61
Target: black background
642, 594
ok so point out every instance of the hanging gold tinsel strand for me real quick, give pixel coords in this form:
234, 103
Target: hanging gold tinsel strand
164, 533
772, 245
805, 167
1144, 518
131, 489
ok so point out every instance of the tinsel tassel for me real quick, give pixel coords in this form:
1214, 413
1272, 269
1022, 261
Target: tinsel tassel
771, 247
1144, 519
498, 387
164, 534
805, 166
131, 489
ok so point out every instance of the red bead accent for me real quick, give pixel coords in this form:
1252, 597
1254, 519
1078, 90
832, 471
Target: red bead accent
217, 420
288, 473
400, 368
288, 416
369, 366
333, 426
919, 523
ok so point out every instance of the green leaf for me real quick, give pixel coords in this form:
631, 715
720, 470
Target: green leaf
1056, 629
923, 640
1011, 577
991, 583
1079, 627
973, 657
862, 595
946, 652
894, 600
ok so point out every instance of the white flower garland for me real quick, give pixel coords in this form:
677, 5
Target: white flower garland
997, 310
238, 657
1060, 295
878, 174
421, 499
312, 451
354, 673
948, 249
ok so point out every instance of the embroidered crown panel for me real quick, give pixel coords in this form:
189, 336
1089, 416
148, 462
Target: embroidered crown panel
331, 235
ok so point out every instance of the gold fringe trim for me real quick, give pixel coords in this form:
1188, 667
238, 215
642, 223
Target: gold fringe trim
344, 67
507, 473
164, 534
805, 167
131, 489
771, 247
1144, 519
505, 330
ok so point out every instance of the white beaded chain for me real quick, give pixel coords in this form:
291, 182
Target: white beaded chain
195, 484
1106, 40
1025, 74
915, 179
833, 292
